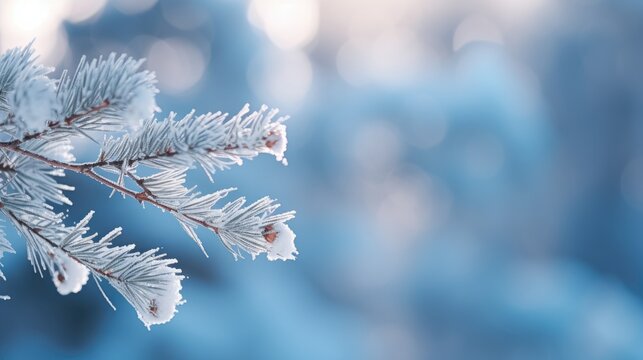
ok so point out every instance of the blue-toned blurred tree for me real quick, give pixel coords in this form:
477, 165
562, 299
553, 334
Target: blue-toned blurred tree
113, 96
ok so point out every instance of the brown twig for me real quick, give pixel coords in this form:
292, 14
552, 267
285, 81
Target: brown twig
145, 195
88, 169
167, 153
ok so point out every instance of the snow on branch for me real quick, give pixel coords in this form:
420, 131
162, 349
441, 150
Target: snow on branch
115, 97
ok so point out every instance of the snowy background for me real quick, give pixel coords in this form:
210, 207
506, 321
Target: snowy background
468, 178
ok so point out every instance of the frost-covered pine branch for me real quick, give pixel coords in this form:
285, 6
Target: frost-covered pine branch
113, 99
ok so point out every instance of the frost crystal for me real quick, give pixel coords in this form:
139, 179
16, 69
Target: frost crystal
114, 98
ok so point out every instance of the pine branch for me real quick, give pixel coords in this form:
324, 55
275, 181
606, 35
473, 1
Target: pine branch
54, 125
146, 280
236, 226
106, 94
211, 140
113, 96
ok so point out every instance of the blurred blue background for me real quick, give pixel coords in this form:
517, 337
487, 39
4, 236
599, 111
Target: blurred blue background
467, 175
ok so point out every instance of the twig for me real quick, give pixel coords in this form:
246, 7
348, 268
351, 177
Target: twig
57, 124
38, 233
89, 170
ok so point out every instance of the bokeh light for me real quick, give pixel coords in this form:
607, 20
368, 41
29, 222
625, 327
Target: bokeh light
287, 23
476, 28
283, 77
80, 11
178, 64
133, 7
